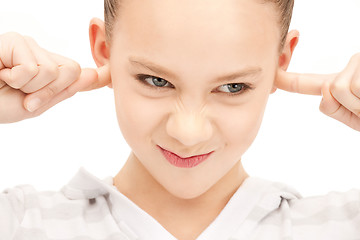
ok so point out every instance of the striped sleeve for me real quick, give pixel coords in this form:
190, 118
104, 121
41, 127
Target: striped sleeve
333, 216
11, 212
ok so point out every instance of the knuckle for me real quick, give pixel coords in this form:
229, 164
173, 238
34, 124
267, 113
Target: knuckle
50, 70
28, 38
16, 38
74, 69
338, 86
12, 35
31, 69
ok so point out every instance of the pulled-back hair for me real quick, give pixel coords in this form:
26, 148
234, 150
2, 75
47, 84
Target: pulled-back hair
285, 9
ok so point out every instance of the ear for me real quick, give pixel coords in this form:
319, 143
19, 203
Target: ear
291, 42
99, 47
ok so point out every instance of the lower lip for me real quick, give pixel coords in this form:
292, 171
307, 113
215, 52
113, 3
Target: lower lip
189, 162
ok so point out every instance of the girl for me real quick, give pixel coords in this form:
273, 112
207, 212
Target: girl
189, 104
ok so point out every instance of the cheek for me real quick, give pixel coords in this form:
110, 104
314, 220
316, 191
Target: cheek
137, 115
241, 124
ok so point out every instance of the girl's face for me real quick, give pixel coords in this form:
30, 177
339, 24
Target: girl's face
209, 66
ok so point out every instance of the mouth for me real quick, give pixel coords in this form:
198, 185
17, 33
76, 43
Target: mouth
188, 162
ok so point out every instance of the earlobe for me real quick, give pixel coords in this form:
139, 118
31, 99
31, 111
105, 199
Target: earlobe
99, 47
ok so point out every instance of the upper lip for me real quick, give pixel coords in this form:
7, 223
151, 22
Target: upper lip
187, 156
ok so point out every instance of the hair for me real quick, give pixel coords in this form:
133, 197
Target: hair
284, 7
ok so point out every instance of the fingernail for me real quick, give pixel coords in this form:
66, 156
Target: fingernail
33, 104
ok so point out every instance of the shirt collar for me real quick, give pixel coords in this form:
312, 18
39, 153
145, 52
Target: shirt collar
252, 194
86, 186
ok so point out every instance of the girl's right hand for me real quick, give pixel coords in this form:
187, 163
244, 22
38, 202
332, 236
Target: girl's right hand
340, 91
32, 80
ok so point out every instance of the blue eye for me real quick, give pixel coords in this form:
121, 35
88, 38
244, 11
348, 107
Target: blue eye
235, 88
231, 89
153, 81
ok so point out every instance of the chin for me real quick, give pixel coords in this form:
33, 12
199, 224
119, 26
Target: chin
185, 192
187, 195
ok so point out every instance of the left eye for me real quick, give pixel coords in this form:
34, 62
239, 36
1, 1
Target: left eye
233, 87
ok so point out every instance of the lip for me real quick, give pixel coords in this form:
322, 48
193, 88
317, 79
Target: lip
188, 162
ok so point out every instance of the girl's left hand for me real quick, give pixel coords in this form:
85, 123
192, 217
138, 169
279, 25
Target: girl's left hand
340, 92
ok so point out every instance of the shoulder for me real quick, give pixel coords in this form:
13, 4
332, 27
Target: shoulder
278, 195
335, 215
23, 199
14, 204
14, 201
73, 212
334, 206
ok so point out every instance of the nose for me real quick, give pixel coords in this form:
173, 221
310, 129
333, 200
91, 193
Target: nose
189, 127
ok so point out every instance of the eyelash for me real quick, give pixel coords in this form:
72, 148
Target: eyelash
141, 77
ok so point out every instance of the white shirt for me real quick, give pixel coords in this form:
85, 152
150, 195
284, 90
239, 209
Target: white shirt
92, 209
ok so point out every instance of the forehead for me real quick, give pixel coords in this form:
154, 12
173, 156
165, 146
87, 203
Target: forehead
199, 28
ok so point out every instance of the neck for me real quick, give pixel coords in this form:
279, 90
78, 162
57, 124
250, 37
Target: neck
136, 183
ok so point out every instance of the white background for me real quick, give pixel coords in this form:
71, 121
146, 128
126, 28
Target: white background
296, 144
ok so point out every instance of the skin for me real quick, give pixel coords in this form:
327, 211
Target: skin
192, 117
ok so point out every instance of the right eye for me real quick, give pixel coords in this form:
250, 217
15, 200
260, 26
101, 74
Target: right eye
153, 81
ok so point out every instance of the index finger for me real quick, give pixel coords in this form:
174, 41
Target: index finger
100, 79
302, 83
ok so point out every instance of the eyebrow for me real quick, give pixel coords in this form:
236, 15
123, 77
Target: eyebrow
245, 73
